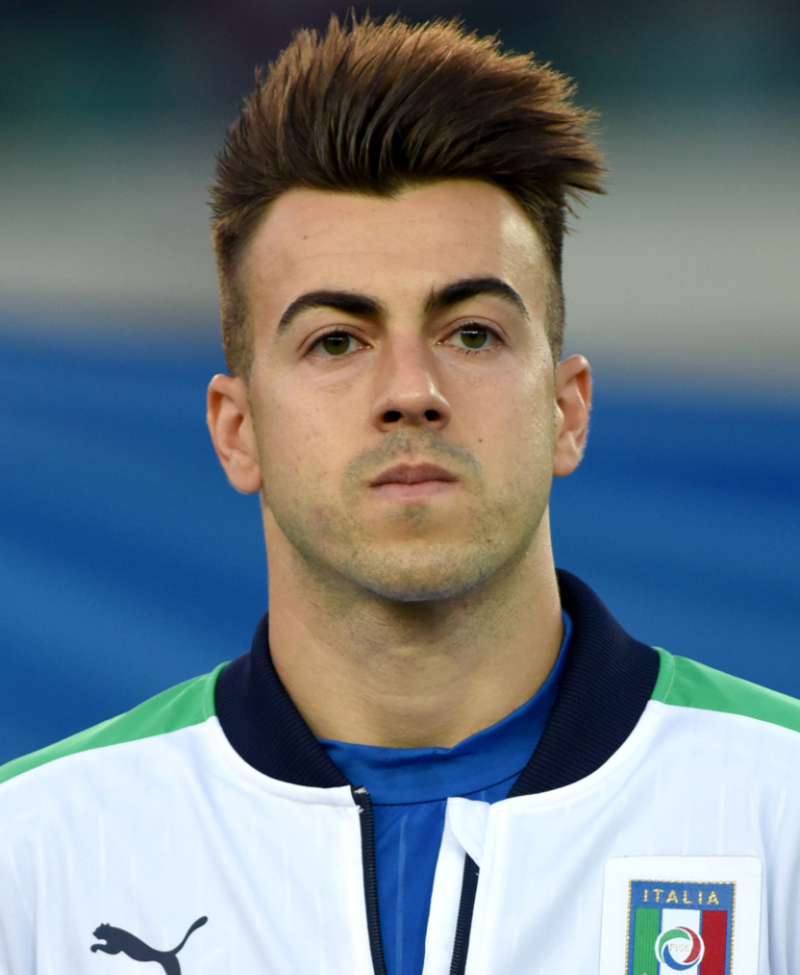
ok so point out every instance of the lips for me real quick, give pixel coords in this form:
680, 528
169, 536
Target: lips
413, 474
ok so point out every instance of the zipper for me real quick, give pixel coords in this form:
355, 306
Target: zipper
469, 887
364, 803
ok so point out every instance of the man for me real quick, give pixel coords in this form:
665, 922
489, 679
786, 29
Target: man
439, 755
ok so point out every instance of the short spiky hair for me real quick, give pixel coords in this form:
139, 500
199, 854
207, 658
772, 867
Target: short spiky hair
375, 107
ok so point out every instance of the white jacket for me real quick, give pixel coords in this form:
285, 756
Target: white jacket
211, 812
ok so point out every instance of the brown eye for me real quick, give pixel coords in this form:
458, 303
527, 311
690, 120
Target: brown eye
337, 343
474, 337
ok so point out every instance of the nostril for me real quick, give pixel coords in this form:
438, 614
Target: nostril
410, 416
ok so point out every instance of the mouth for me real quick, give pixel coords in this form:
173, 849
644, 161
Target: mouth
406, 481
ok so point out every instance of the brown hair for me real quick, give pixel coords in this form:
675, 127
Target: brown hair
377, 106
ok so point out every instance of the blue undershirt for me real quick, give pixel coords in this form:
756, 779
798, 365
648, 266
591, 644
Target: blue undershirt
409, 788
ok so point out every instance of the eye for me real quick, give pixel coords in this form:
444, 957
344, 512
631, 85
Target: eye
335, 344
473, 337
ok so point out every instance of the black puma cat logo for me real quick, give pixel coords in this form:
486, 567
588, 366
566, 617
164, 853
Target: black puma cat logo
118, 940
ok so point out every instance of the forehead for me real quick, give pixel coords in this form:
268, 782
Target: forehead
393, 247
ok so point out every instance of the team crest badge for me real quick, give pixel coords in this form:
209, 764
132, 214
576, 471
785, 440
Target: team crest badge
680, 927
663, 915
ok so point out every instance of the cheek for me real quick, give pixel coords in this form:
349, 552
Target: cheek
513, 424
530, 457
299, 442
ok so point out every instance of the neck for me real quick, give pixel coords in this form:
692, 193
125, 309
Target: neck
420, 674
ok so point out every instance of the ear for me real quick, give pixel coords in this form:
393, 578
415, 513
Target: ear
230, 424
573, 402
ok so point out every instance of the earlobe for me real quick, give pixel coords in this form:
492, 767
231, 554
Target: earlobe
230, 424
573, 402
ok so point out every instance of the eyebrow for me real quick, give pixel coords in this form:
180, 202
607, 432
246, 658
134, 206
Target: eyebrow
438, 299
346, 301
451, 294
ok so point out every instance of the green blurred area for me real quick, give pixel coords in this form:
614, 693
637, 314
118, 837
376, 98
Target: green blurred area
150, 62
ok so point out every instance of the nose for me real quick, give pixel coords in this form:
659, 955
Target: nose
408, 389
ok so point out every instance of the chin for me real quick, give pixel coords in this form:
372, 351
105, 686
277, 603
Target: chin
416, 594
401, 582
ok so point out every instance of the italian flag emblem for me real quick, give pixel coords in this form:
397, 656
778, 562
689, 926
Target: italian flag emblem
680, 927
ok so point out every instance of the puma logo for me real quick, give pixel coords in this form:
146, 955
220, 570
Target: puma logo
118, 940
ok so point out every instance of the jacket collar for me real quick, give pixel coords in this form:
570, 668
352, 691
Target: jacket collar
608, 680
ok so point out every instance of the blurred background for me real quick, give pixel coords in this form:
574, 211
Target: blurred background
127, 564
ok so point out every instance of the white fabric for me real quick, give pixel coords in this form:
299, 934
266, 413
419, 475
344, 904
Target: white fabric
152, 834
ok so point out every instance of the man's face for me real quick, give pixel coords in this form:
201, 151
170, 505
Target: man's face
402, 386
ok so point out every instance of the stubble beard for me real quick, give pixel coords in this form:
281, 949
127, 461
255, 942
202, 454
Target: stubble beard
337, 551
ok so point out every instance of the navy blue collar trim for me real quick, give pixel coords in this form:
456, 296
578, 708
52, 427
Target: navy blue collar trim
608, 680
262, 723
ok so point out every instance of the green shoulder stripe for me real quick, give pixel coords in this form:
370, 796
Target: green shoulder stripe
191, 702
686, 683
